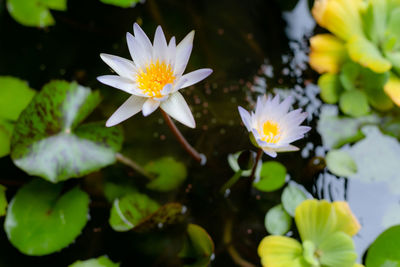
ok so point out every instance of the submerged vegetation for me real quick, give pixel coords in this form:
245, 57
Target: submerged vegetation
79, 190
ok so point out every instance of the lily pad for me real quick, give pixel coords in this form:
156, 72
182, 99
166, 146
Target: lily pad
198, 247
6, 129
48, 141
170, 174
292, 196
121, 3
330, 88
385, 249
41, 220
278, 221
102, 261
3, 201
340, 163
35, 13
272, 176
354, 103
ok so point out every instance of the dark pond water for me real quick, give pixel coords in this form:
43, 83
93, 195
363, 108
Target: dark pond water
253, 47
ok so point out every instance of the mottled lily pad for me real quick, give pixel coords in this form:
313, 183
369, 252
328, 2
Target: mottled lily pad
278, 221
340, 163
170, 174
292, 196
198, 247
48, 141
35, 13
41, 219
102, 261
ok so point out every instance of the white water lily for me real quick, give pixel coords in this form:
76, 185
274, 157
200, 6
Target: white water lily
273, 126
154, 77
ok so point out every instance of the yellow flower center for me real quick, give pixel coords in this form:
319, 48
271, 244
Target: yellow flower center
154, 77
271, 132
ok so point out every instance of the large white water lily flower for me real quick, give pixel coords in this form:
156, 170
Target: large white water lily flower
273, 126
154, 77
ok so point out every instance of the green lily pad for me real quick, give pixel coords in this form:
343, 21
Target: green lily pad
130, 210
6, 129
170, 174
292, 196
278, 221
3, 201
102, 261
35, 13
354, 103
121, 3
113, 190
41, 220
272, 176
48, 141
330, 87
340, 163
15, 95
385, 249
197, 247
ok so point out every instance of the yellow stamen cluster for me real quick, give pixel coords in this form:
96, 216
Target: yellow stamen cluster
271, 132
154, 77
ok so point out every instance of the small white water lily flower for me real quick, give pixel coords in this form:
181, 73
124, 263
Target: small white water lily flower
154, 77
273, 126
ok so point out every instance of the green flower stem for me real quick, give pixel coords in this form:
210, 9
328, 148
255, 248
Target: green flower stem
129, 162
253, 171
231, 181
192, 152
230, 248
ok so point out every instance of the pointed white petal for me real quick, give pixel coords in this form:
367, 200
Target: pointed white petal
270, 152
166, 89
195, 77
131, 106
138, 53
178, 109
142, 38
160, 50
172, 52
183, 51
246, 118
287, 148
121, 66
121, 83
149, 106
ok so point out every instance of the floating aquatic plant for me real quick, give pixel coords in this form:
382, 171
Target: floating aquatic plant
325, 230
360, 60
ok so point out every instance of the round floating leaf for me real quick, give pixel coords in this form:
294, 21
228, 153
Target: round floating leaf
385, 249
41, 220
35, 13
278, 221
171, 174
354, 103
6, 129
272, 176
291, 197
197, 247
102, 261
130, 210
340, 163
330, 88
15, 95
48, 142
3, 201
121, 3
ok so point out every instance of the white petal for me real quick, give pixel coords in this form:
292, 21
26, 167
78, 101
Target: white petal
246, 118
166, 89
160, 50
138, 53
131, 106
270, 152
149, 106
121, 66
142, 38
287, 148
183, 51
178, 109
121, 83
195, 77
172, 52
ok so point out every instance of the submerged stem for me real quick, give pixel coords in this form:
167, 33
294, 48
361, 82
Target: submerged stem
258, 157
231, 181
129, 162
192, 152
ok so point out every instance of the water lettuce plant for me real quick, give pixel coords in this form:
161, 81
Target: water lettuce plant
326, 231
360, 58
